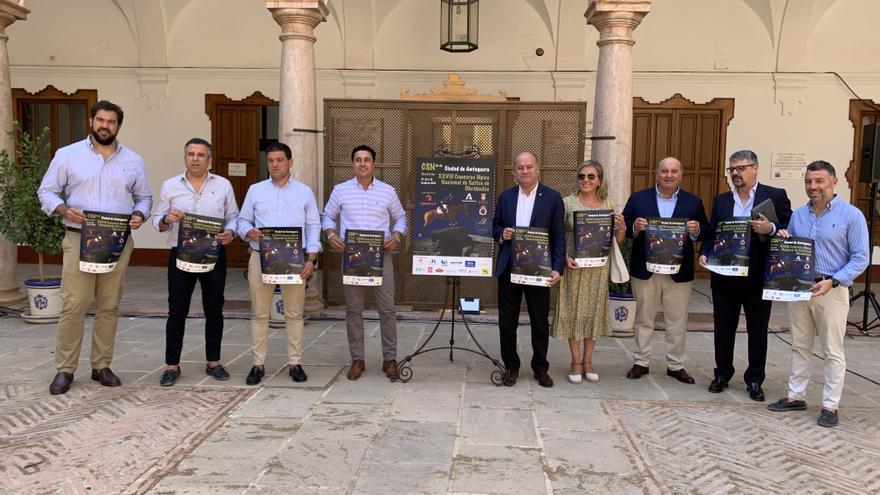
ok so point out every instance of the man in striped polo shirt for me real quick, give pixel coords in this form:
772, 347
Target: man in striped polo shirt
840, 234
366, 203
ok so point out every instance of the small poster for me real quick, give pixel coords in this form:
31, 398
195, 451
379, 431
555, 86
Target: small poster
664, 244
789, 274
103, 238
362, 257
730, 248
281, 255
197, 244
531, 256
592, 237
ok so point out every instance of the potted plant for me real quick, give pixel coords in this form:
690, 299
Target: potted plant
23, 222
621, 303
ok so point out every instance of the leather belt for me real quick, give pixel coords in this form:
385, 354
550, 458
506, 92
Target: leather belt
72, 229
821, 278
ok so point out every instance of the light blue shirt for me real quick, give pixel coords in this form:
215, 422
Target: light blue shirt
741, 209
215, 199
666, 205
840, 234
291, 205
375, 208
88, 182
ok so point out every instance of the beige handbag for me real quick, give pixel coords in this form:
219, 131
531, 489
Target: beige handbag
619, 273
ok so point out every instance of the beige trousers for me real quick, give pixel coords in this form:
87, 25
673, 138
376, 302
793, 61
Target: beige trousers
293, 296
660, 291
827, 314
77, 291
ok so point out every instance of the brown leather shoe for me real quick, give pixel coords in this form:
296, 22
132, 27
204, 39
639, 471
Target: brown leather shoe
106, 377
544, 379
390, 369
61, 383
637, 372
356, 369
681, 375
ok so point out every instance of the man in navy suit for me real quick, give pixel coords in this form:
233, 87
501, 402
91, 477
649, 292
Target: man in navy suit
730, 294
652, 290
529, 204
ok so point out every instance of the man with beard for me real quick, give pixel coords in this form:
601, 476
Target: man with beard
96, 174
730, 294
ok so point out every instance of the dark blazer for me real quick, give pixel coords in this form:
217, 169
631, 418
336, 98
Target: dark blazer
644, 204
722, 209
548, 213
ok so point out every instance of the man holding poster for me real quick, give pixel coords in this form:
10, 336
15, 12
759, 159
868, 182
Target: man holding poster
96, 174
198, 211
732, 293
279, 202
840, 234
528, 204
364, 203
672, 292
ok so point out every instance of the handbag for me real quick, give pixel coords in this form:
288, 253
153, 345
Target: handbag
619, 273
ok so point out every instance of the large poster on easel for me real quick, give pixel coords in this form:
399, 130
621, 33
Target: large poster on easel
452, 221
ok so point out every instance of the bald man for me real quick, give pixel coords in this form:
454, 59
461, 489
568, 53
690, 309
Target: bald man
652, 291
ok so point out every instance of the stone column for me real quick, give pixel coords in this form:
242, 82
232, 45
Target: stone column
10, 11
612, 110
297, 106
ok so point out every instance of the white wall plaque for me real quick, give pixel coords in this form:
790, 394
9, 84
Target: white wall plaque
237, 169
788, 165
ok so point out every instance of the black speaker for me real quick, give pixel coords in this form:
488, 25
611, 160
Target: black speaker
869, 168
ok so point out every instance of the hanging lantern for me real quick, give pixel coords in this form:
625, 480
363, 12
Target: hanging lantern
459, 22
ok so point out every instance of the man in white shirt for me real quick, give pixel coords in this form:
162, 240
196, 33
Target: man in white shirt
195, 192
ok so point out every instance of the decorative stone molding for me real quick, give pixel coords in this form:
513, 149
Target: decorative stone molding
11, 11
571, 86
453, 90
154, 85
298, 18
359, 83
789, 91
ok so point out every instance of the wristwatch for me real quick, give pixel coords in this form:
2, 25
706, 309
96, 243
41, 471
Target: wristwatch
314, 262
834, 283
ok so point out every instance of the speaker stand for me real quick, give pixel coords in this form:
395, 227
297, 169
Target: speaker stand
865, 326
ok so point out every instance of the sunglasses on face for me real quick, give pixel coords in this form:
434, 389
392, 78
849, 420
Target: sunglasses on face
587, 176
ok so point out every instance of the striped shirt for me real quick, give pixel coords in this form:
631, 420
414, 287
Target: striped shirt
375, 208
291, 205
841, 237
215, 199
79, 173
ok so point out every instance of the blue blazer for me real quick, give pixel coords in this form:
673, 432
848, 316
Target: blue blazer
722, 209
644, 204
548, 213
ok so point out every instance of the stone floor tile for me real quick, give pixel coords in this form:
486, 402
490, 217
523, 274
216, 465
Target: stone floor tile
498, 427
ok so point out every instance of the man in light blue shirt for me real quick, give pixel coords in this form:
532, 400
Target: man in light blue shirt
195, 192
840, 234
95, 174
366, 203
279, 201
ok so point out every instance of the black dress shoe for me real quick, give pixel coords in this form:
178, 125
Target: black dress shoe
755, 392
509, 378
681, 375
218, 372
61, 383
105, 377
636, 372
169, 377
255, 376
544, 379
298, 373
718, 385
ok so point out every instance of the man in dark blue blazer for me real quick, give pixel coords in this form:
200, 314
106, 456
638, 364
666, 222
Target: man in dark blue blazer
529, 204
653, 290
730, 294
